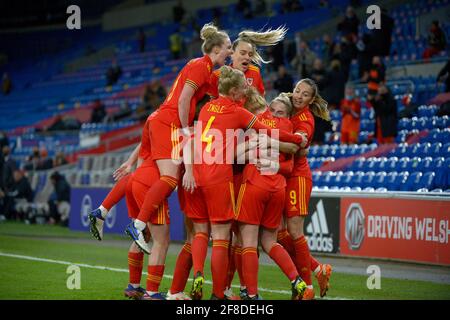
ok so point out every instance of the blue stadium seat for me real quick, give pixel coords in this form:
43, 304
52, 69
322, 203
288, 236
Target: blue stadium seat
370, 164
435, 149
381, 164
414, 164
378, 180
427, 180
358, 164
368, 179
445, 150
426, 164
346, 179
401, 150
356, 179
411, 182
391, 164
403, 164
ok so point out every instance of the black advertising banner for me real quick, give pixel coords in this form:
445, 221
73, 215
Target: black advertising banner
322, 224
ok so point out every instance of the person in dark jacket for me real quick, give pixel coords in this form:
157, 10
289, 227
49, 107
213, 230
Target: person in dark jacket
436, 41
60, 199
20, 192
349, 25
444, 76
385, 114
381, 38
335, 89
284, 82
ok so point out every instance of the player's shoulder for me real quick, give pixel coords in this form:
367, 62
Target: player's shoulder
285, 124
254, 68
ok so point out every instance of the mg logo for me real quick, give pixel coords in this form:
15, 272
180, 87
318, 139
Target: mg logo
86, 207
354, 226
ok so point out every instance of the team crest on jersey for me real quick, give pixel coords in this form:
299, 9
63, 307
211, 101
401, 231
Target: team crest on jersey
249, 81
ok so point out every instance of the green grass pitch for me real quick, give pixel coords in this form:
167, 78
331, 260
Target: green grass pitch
24, 278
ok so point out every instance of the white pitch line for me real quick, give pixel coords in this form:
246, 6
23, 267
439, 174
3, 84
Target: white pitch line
168, 276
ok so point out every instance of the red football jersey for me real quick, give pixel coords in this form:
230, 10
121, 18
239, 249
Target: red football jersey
196, 73
303, 121
219, 115
251, 173
253, 76
148, 171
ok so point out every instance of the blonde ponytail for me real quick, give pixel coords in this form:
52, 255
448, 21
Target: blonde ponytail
212, 37
319, 106
263, 38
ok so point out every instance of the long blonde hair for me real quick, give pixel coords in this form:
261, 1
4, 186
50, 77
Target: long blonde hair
212, 37
230, 78
319, 106
284, 98
263, 38
254, 101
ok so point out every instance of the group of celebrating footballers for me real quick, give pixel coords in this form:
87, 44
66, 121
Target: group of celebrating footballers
272, 192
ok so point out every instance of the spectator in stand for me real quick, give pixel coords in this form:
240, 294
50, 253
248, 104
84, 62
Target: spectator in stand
321, 127
385, 108
365, 53
59, 202
319, 74
98, 112
381, 38
444, 75
351, 112
260, 8
303, 61
66, 123
114, 73
409, 108
60, 159
176, 44
7, 178
436, 41
9, 166
4, 141
18, 197
178, 12
6, 84
291, 6
284, 83
349, 24
245, 7
123, 113
276, 54
335, 85
46, 162
142, 40
327, 49
376, 76
348, 52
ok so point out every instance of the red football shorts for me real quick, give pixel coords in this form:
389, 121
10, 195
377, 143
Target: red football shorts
298, 193
193, 205
259, 207
134, 204
212, 203
165, 140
